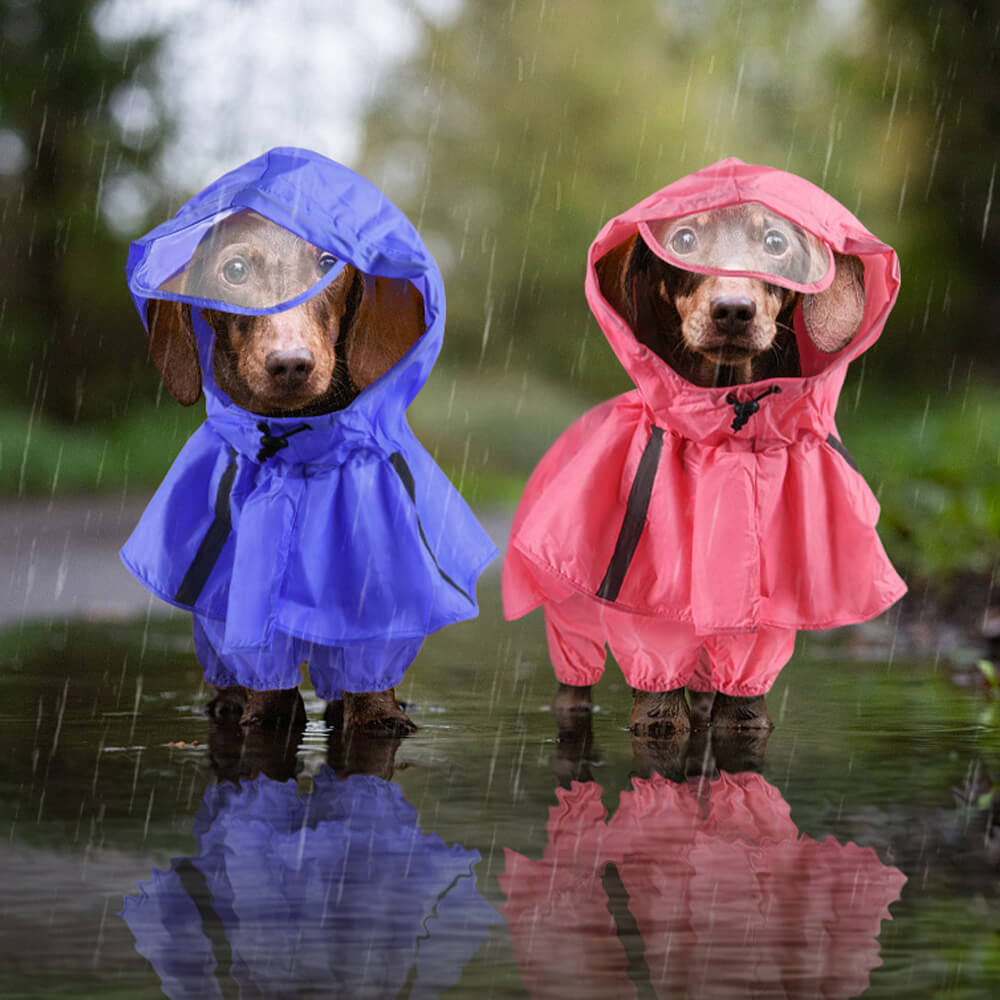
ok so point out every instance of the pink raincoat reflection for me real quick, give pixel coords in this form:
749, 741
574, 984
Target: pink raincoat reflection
700, 889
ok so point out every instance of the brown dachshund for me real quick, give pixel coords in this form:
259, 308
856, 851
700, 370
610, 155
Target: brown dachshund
310, 359
722, 330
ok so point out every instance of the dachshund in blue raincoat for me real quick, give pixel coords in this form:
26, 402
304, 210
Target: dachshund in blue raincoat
303, 522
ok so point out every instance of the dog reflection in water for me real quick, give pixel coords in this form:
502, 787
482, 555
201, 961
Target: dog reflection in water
698, 886
336, 891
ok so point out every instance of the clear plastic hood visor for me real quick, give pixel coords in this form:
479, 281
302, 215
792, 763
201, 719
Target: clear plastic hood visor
749, 239
234, 261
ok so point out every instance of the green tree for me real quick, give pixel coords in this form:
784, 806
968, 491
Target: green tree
69, 139
939, 63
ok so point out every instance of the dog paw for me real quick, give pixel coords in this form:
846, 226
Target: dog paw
733, 712
228, 704
376, 713
659, 714
570, 698
273, 708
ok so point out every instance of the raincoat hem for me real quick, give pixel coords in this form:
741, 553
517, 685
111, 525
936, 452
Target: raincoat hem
512, 614
374, 636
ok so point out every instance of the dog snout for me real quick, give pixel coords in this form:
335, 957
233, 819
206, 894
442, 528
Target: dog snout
290, 368
732, 314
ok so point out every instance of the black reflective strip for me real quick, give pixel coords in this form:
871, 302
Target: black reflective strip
838, 446
194, 883
635, 518
627, 930
404, 473
211, 545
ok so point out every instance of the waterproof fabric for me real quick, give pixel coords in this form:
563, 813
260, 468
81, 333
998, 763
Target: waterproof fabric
286, 535
767, 525
338, 891
694, 889
657, 654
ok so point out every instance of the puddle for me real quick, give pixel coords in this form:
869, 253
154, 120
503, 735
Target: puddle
486, 856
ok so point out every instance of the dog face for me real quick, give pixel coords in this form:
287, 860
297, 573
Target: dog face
312, 358
729, 320
728, 329
286, 362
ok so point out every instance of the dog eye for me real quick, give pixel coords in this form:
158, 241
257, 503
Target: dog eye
236, 270
326, 261
683, 241
775, 243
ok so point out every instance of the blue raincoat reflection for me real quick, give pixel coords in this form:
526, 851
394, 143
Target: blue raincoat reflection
338, 891
336, 539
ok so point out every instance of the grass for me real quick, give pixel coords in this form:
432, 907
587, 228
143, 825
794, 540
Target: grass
933, 460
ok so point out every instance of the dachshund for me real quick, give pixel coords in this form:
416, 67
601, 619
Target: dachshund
307, 360
724, 330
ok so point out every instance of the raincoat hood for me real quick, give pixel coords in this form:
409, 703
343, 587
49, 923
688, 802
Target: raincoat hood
729, 508
719, 186
332, 529
326, 206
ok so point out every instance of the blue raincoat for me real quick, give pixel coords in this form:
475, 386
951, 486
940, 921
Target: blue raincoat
338, 891
334, 539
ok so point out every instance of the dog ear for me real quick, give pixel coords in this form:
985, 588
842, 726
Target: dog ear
832, 317
389, 321
173, 349
612, 277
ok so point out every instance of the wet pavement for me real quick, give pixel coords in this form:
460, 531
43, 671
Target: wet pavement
498, 852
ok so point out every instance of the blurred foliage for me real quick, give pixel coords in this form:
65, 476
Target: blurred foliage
934, 464
73, 138
523, 127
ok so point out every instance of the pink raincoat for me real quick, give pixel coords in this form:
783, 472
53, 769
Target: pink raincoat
653, 505
700, 889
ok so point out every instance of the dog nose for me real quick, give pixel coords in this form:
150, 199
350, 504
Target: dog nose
290, 368
732, 314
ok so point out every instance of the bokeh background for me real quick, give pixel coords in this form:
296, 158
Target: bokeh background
509, 132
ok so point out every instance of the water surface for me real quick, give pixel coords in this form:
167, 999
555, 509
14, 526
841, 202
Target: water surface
487, 855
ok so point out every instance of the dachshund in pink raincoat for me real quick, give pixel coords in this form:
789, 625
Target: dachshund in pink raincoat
695, 523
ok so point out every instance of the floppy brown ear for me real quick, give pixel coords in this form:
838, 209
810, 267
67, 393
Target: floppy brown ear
173, 349
612, 270
832, 317
390, 319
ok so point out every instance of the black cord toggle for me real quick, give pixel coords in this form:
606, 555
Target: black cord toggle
271, 444
742, 412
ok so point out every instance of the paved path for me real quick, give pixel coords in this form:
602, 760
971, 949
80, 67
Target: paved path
59, 559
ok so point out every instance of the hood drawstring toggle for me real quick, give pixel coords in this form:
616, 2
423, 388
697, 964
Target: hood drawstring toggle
745, 410
271, 444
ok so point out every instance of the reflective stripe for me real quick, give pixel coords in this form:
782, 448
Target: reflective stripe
211, 545
837, 445
635, 518
628, 931
404, 473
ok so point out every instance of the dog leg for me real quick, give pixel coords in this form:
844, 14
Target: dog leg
666, 755
570, 698
732, 712
377, 712
228, 703
272, 708
701, 707
659, 713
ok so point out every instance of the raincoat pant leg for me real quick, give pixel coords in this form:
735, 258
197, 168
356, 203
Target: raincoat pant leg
744, 664
360, 667
654, 654
575, 633
270, 668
